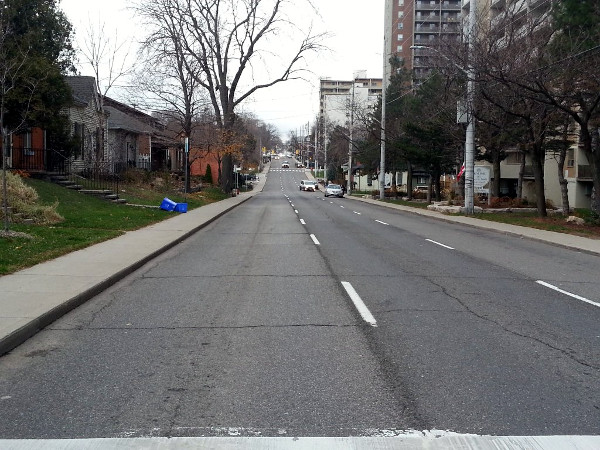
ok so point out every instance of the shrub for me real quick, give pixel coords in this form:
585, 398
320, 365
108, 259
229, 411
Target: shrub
208, 179
23, 201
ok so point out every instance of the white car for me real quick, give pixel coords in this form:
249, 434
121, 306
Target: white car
334, 189
285, 165
308, 185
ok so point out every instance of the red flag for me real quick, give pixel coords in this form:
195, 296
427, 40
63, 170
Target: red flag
460, 172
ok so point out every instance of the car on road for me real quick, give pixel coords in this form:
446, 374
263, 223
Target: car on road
285, 165
308, 185
334, 189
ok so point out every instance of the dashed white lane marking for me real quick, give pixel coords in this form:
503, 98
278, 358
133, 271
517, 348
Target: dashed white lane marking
356, 212
296, 211
341, 206
583, 299
382, 223
359, 304
302, 222
439, 243
315, 240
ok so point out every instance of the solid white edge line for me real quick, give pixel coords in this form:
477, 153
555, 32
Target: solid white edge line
315, 240
383, 223
439, 243
583, 299
359, 304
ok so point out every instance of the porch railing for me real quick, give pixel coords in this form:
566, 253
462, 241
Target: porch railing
90, 175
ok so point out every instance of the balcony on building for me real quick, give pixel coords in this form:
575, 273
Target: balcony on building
584, 173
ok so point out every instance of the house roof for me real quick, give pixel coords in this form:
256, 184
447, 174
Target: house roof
83, 88
119, 120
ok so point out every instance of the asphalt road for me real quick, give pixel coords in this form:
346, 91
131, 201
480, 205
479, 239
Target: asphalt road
297, 315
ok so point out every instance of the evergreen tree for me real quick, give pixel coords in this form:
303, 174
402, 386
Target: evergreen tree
36, 52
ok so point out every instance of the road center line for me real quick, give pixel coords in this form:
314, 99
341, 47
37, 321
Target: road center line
583, 299
359, 304
383, 223
315, 240
440, 244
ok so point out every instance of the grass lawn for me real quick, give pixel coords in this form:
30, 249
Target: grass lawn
88, 220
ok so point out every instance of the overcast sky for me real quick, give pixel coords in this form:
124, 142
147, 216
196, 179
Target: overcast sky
356, 43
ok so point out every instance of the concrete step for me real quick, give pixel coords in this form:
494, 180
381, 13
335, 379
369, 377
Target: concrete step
99, 192
75, 187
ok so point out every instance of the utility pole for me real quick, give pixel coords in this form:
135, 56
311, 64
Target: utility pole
384, 83
470, 135
351, 138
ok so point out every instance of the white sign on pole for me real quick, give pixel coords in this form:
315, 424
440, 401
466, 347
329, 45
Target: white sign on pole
481, 179
187, 145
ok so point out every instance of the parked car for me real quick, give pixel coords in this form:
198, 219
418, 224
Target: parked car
334, 189
285, 165
308, 185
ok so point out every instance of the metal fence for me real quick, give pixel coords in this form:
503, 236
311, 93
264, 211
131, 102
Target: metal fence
90, 175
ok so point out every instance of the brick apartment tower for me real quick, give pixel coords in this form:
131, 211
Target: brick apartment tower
425, 23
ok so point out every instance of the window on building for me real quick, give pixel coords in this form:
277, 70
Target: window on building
400, 14
399, 48
400, 37
27, 145
514, 158
400, 26
400, 2
571, 157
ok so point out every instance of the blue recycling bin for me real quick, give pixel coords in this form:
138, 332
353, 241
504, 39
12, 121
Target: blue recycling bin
181, 207
168, 204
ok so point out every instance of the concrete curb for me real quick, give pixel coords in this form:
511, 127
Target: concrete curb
20, 334
572, 242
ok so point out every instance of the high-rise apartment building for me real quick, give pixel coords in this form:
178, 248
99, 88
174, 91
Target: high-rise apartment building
420, 23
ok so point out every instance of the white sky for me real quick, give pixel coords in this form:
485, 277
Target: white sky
356, 44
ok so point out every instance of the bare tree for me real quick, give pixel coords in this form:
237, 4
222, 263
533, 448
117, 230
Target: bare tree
168, 78
13, 61
225, 38
108, 57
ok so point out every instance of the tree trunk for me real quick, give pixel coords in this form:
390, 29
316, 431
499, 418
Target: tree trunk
520, 179
495, 192
564, 184
409, 178
594, 160
429, 188
538, 174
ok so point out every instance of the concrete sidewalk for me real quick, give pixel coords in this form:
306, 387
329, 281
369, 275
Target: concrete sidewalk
35, 297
